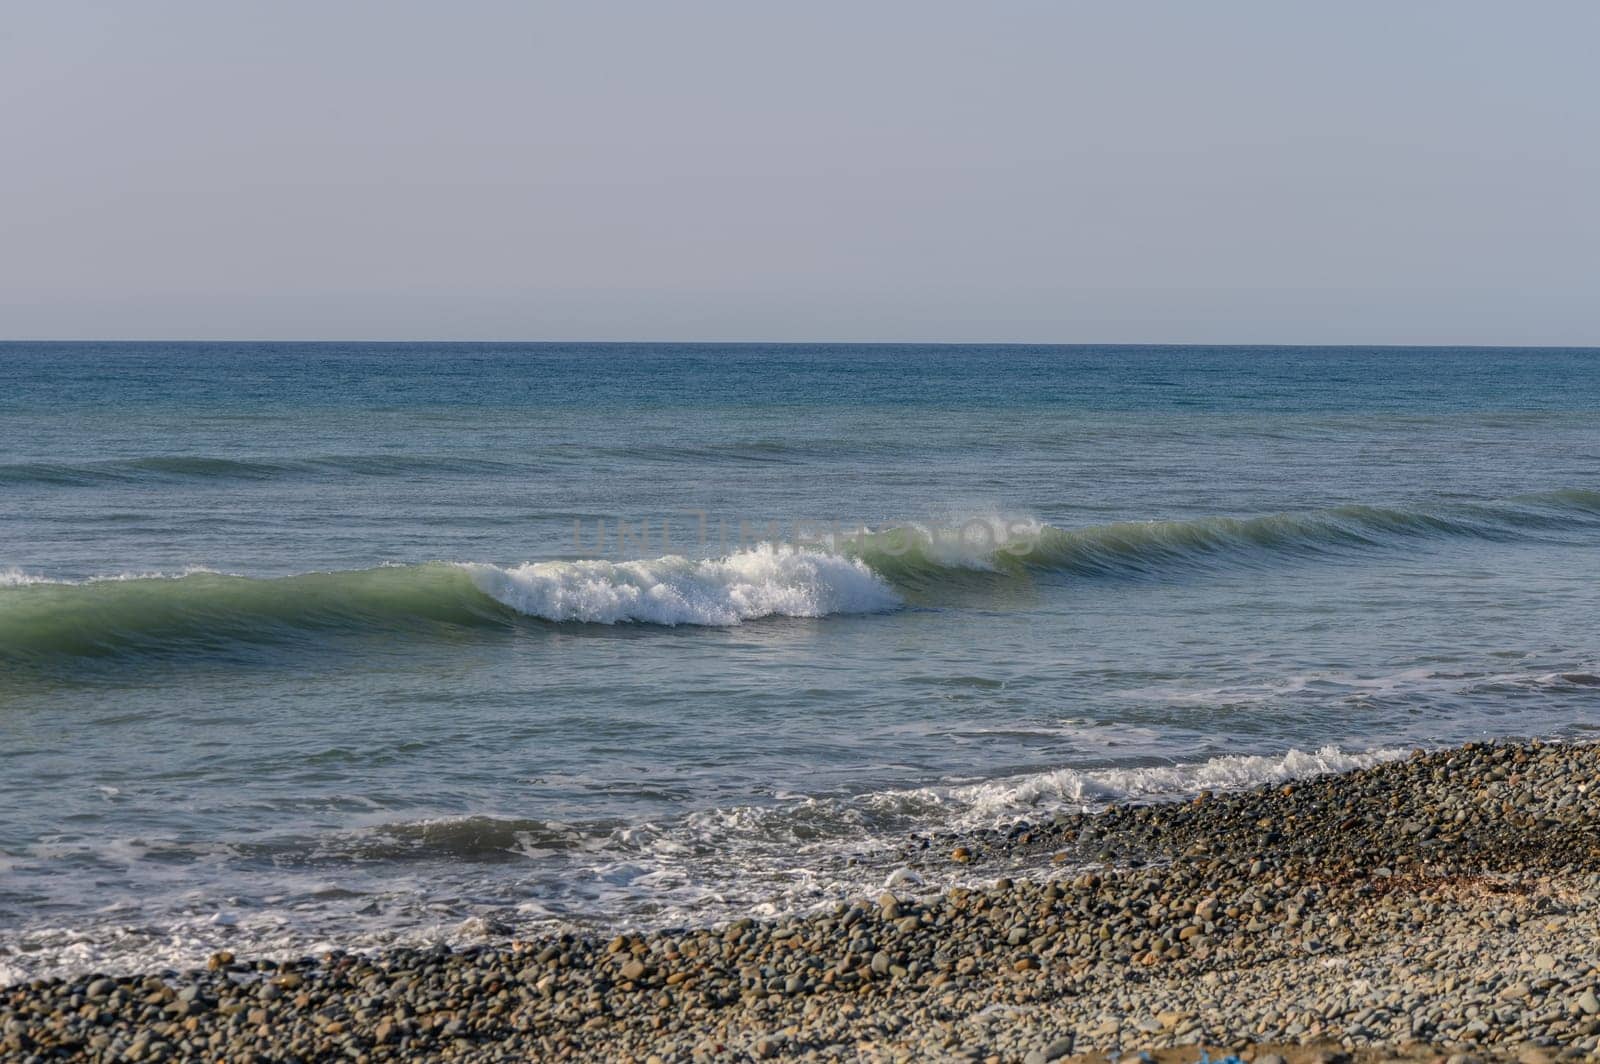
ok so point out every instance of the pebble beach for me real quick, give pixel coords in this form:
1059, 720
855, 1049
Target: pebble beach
1442, 905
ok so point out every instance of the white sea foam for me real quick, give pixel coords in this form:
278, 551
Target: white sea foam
18, 578
1065, 788
812, 850
764, 582
14, 577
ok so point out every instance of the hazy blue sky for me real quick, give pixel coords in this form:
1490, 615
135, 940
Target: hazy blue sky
1278, 171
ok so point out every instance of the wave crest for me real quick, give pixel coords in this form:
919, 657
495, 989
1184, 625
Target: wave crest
868, 572
915, 555
204, 612
765, 582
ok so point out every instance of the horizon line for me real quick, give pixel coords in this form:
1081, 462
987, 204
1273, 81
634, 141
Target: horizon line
805, 343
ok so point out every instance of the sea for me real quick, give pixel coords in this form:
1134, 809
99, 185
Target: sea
311, 646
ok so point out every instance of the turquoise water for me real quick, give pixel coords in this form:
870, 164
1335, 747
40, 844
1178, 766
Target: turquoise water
305, 644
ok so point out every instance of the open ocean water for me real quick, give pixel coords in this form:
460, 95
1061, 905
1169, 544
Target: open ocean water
306, 645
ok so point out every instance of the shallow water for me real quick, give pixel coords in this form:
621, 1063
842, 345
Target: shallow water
313, 643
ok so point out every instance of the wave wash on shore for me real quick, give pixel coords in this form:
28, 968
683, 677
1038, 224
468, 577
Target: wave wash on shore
1442, 902
720, 863
200, 611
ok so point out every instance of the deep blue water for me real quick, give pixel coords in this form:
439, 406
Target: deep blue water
315, 642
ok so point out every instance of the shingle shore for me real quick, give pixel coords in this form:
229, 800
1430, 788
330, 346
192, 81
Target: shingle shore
1448, 902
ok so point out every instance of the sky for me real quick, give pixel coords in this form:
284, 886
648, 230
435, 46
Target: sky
1120, 171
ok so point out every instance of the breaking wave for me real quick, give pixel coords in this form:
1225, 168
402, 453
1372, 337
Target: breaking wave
861, 573
768, 581
207, 612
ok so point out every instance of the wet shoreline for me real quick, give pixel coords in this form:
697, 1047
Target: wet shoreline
1449, 899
